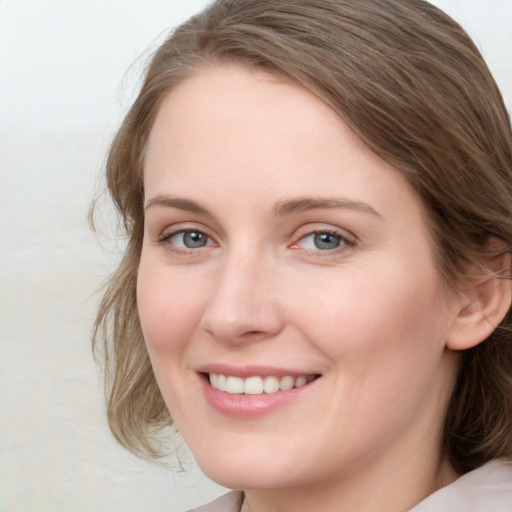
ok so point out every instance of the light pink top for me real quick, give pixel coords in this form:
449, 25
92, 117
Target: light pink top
486, 489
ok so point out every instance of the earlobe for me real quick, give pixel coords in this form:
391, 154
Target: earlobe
485, 304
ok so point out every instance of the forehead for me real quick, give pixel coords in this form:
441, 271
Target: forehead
253, 136
222, 107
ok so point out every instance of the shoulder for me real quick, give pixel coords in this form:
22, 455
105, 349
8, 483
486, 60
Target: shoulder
486, 488
230, 502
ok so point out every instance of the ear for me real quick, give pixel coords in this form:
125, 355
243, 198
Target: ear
484, 303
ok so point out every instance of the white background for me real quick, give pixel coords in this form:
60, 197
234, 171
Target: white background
68, 70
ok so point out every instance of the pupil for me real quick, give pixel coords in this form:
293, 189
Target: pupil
193, 239
327, 241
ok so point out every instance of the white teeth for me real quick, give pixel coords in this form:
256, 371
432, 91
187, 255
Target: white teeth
221, 383
300, 381
286, 383
253, 386
271, 384
234, 384
257, 385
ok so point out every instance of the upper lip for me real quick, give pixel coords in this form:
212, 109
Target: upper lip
251, 371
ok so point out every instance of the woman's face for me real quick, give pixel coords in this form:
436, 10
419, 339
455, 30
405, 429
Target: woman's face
279, 251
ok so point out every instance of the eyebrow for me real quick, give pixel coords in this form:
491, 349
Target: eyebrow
281, 208
302, 204
176, 202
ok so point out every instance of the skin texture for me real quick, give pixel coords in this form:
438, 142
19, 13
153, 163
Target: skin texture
371, 317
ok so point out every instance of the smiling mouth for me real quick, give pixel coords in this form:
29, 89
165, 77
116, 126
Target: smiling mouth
257, 385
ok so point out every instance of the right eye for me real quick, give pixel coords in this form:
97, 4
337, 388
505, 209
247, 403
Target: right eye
187, 239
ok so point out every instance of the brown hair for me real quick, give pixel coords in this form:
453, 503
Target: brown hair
411, 83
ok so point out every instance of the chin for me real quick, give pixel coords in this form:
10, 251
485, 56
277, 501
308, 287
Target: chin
243, 480
238, 473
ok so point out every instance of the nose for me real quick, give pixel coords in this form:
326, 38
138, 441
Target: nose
244, 304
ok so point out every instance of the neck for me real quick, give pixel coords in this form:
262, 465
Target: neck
372, 490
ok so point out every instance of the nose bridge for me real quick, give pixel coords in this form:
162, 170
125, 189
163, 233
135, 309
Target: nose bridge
242, 304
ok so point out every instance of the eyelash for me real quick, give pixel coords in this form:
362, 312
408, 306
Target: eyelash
344, 243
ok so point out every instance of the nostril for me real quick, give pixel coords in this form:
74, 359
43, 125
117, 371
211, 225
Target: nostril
252, 334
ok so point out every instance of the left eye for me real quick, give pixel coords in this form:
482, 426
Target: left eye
322, 241
190, 239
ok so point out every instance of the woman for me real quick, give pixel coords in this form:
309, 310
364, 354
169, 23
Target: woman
318, 198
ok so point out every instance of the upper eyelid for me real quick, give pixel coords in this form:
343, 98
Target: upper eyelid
159, 221
172, 233
305, 231
181, 227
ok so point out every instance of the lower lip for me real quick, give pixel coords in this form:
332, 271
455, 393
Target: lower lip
243, 405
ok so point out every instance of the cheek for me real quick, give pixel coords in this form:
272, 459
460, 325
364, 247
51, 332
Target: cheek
366, 314
169, 309
384, 337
